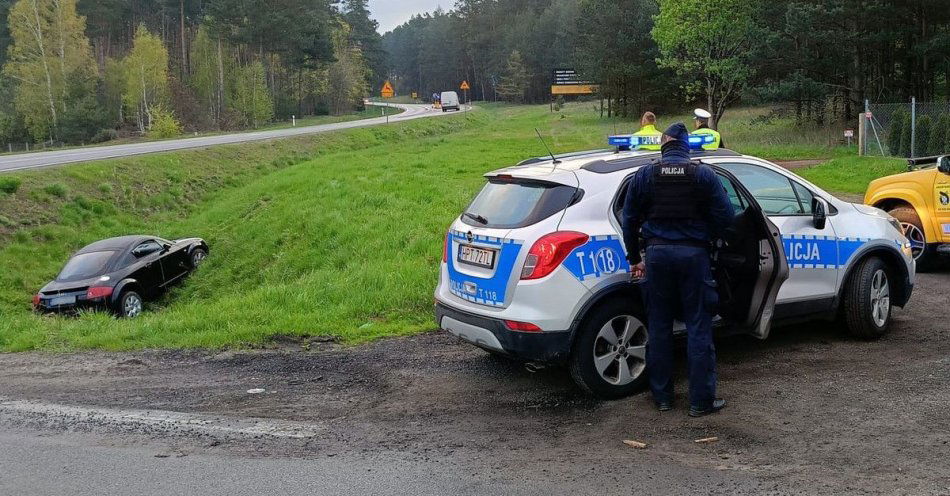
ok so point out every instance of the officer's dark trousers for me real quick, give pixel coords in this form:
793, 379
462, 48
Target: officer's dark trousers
679, 283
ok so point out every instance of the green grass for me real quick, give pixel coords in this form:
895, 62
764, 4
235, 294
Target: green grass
852, 174
336, 234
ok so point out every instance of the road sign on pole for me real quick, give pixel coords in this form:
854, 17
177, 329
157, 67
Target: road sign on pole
465, 87
387, 91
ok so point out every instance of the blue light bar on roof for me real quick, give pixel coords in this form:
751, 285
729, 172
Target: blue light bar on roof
697, 141
622, 141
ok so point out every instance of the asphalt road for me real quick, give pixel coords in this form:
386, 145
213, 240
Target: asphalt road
810, 412
84, 154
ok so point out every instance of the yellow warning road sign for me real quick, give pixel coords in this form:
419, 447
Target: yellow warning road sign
465, 86
387, 91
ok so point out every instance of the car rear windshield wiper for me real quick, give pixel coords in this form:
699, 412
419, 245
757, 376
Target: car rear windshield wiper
476, 218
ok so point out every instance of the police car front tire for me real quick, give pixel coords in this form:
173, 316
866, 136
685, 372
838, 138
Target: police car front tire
608, 358
867, 300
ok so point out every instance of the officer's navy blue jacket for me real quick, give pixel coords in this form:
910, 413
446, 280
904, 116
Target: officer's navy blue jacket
719, 212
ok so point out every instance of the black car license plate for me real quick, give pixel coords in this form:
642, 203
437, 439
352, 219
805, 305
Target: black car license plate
480, 257
62, 300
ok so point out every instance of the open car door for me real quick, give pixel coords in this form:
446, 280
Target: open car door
750, 263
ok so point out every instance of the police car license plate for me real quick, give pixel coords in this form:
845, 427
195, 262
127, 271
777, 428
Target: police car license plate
477, 256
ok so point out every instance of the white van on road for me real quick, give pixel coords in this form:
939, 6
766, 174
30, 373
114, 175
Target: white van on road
450, 100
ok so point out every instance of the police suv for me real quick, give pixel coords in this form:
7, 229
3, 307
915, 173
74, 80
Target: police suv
536, 269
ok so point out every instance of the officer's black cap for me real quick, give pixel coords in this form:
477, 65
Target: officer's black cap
677, 131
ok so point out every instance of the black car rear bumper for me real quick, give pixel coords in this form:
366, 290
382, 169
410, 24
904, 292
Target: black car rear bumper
81, 303
493, 335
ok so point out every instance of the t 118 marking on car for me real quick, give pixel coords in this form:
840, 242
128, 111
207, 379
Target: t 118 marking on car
598, 257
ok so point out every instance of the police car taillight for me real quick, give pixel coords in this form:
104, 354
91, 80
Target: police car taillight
549, 251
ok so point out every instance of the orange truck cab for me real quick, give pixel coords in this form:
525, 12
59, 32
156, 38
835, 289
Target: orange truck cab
920, 200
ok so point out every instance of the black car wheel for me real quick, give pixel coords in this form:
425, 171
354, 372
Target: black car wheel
609, 355
198, 256
130, 305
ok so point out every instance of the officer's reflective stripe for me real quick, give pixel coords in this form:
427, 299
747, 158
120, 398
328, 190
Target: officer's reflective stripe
600, 256
489, 291
804, 251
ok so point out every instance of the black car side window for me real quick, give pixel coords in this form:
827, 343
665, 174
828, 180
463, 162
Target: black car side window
147, 248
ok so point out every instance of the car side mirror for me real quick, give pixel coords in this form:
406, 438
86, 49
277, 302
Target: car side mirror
943, 164
165, 248
819, 212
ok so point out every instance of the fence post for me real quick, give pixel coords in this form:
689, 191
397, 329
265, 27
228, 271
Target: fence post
863, 129
913, 125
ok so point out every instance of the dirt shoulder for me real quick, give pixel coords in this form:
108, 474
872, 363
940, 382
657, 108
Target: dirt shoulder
810, 411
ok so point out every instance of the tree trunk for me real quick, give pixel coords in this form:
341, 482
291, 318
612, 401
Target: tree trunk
220, 81
38, 33
184, 51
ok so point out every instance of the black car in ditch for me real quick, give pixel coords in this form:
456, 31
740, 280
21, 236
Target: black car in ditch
120, 274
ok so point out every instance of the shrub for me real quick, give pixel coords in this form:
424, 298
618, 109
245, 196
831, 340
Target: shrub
56, 189
78, 123
104, 135
9, 185
896, 131
105, 188
940, 139
905, 138
164, 124
925, 128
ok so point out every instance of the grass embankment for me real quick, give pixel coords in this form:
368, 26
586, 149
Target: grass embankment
336, 234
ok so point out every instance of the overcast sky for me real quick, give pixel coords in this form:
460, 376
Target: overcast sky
391, 13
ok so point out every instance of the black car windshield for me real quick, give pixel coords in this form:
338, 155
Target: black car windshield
85, 265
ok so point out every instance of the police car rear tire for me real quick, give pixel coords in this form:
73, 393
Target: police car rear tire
867, 308
612, 336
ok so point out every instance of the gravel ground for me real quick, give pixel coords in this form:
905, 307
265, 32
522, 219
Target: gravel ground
810, 412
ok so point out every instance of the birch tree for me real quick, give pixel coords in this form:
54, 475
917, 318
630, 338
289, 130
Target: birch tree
146, 78
50, 61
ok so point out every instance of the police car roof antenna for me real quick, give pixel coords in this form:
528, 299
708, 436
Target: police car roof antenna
554, 159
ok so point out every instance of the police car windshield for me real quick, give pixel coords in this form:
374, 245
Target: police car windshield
507, 204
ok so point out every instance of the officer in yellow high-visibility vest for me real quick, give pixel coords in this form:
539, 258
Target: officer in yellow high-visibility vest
648, 128
701, 122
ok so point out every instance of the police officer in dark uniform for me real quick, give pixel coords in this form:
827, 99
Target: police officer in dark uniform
678, 206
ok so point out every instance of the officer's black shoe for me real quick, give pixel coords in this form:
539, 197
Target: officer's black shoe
664, 406
717, 404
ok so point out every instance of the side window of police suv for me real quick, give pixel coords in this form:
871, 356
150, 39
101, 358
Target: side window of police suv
775, 193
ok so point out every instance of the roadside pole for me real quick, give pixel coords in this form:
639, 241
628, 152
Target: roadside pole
913, 125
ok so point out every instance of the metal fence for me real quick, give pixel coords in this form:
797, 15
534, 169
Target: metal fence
912, 129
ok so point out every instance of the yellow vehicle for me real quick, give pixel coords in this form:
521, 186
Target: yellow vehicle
920, 200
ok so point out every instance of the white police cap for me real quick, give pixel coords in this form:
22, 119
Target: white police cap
702, 114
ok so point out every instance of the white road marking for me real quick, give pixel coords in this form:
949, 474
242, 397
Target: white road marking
159, 419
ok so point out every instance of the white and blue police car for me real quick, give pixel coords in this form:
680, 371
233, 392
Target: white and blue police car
535, 268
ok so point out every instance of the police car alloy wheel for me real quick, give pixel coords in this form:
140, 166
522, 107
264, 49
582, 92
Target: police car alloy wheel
609, 355
867, 300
